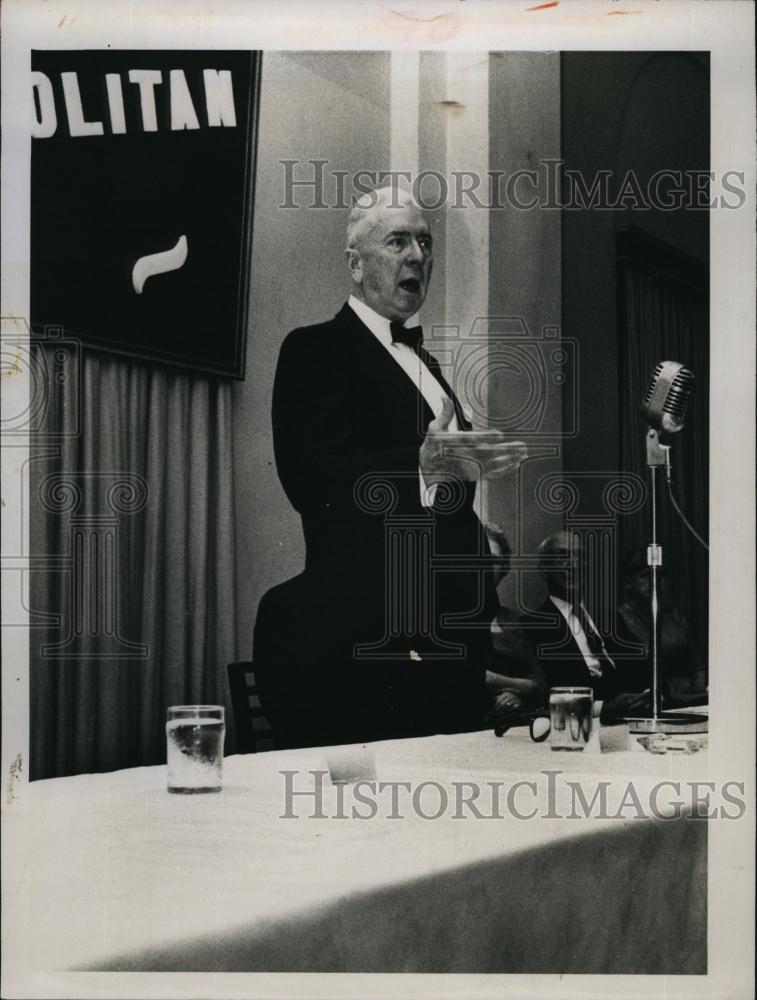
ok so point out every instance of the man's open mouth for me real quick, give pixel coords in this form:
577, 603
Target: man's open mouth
411, 285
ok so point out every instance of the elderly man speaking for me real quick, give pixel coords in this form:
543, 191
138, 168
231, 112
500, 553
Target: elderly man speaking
383, 633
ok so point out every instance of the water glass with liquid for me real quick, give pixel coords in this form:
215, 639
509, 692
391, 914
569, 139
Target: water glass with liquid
194, 745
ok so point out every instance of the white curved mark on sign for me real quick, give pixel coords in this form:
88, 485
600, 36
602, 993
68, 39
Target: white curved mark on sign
158, 263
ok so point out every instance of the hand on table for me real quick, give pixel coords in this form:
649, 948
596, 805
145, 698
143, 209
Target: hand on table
625, 704
505, 705
441, 457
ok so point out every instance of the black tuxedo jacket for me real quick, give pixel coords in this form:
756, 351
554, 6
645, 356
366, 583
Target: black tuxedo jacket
561, 659
348, 424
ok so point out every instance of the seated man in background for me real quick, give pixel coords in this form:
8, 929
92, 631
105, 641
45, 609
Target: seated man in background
515, 683
683, 673
569, 646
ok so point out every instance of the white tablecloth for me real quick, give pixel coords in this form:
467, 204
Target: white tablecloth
110, 872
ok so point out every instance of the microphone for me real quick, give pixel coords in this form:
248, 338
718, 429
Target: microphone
668, 395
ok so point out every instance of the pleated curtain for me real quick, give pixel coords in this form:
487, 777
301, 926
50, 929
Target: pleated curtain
132, 599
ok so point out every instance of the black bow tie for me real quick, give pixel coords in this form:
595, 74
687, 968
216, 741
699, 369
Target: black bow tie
410, 335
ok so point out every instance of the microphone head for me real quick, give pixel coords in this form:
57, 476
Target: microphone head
668, 395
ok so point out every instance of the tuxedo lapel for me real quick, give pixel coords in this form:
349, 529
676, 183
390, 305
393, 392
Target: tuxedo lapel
562, 660
371, 357
433, 366
558, 639
373, 365
558, 650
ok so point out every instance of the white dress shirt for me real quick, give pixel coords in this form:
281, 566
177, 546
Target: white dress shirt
574, 624
412, 365
404, 355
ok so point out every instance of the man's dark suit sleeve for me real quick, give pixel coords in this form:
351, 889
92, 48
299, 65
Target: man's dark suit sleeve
318, 454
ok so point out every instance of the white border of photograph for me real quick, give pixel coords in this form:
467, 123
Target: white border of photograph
722, 27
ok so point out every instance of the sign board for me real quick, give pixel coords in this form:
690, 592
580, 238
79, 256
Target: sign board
141, 186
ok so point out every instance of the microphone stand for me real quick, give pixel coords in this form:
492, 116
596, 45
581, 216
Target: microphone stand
658, 457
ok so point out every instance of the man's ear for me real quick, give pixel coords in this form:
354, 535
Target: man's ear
354, 264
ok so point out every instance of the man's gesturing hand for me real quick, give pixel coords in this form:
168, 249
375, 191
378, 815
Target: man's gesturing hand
443, 454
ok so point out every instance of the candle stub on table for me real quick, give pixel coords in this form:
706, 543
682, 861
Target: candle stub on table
351, 763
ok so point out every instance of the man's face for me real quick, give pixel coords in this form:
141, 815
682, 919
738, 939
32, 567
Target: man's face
392, 261
564, 576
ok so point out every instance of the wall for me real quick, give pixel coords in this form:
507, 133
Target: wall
525, 266
641, 113
621, 111
329, 106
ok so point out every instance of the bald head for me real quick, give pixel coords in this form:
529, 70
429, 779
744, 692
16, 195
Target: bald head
556, 544
389, 252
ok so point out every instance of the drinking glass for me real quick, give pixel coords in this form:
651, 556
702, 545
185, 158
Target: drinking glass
570, 711
194, 739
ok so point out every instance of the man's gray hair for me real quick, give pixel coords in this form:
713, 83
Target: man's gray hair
392, 196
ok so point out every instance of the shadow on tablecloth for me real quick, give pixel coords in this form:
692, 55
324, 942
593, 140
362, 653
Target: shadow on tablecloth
632, 900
